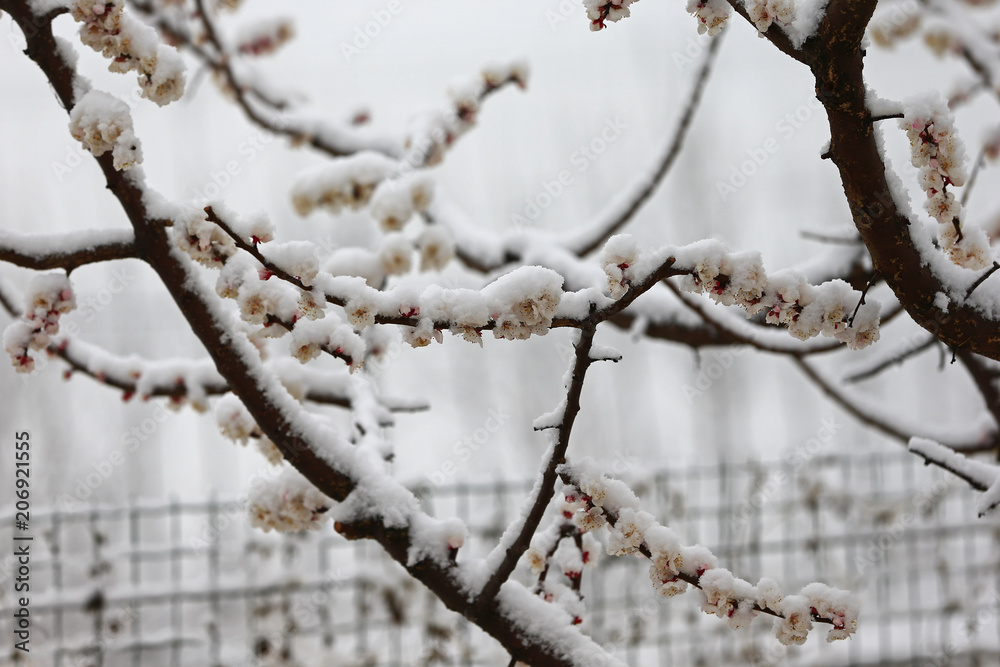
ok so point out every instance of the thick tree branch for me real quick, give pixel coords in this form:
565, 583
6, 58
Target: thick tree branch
836, 60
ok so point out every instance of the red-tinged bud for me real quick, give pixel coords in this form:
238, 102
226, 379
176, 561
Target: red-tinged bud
577, 620
127, 396
67, 374
264, 274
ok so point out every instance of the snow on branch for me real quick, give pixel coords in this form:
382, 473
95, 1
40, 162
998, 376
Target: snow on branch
833, 309
68, 250
939, 154
516, 540
131, 46
975, 436
593, 501
624, 207
980, 476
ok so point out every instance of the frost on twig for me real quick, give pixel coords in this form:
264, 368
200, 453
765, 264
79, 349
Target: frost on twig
594, 501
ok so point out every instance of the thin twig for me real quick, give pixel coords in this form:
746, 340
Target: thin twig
976, 166
600, 235
981, 279
545, 488
892, 361
824, 238
866, 417
861, 301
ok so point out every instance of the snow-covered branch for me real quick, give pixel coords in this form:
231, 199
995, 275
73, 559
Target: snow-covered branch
68, 251
516, 539
595, 501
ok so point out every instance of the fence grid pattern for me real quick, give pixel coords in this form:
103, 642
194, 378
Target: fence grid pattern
189, 584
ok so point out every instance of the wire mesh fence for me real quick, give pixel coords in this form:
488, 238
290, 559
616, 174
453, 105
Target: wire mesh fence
190, 584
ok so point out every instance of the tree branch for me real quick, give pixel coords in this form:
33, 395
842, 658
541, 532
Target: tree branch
42, 252
545, 486
605, 225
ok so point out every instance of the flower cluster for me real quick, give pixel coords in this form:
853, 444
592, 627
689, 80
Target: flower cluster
103, 123
431, 133
764, 12
524, 302
939, 155
599, 11
131, 45
288, 504
296, 258
674, 567
396, 254
347, 182
893, 24
235, 423
310, 337
567, 549
711, 14
422, 334
831, 309
395, 201
265, 36
618, 260
49, 297
437, 248
202, 240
